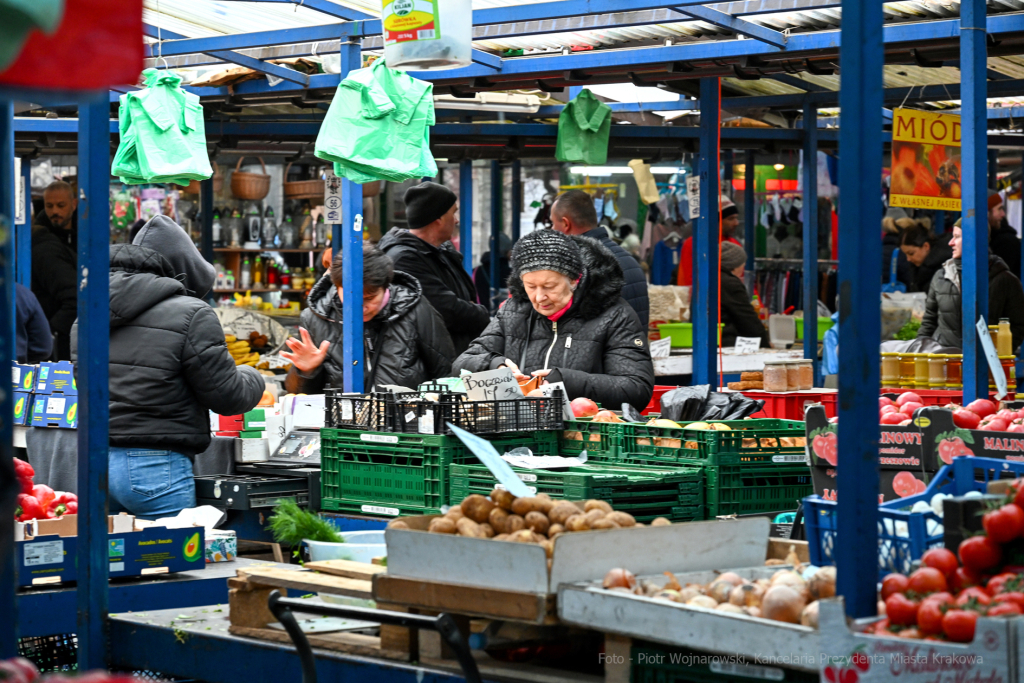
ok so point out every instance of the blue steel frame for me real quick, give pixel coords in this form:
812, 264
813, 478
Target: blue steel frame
8, 605
811, 238
497, 197
23, 232
517, 199
749, 227
705, 240
351, 244
466, 214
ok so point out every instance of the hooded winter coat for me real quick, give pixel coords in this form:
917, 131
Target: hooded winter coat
943, 309
55, 277
169, 363
446, 284
405, 344
634, 289
598, 347
938, 254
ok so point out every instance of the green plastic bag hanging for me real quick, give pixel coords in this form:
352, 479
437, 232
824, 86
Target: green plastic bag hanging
583, 129
163, 136
378, 127
19, 18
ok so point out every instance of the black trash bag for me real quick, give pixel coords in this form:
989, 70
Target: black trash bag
631, 414
685, 404
717, 407
742, 407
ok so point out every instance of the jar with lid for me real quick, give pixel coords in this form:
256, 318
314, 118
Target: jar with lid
804, 375
954, 371
890, 369
776, 377
936, 371
921, 377
907, 370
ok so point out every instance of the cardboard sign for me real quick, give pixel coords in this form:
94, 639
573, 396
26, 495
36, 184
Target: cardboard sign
485, 451
993, 358
747, 345
332, 199
693, 195
661, 348
492, 385
549, 390
925, 160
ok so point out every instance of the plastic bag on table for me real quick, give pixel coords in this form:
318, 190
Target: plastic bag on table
685, 403
898, 308
631, 414
917, 345
740, 406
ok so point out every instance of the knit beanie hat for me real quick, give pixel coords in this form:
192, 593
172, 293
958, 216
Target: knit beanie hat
547, 249
426, 202
733, 256
730, 210
994, 200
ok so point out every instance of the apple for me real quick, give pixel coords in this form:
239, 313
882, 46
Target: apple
965, 419
982, 407
584, 407
996, 424
885, 401
893, 418
907, 397
909, 408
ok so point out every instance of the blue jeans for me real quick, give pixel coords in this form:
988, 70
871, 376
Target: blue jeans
150, 483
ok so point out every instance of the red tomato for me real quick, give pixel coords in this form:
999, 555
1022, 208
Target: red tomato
927, 580
982, 407
894, 583
964, 578
911, 633
893, 418
973, 595
1005, 524
904, 483
885, 410
909, 407
910, 396
979, 552
1004, 608
901, 610
1018, 486
942, 559
998, 583
1016, 597
958, 625
884, 401
965, 419
929, 616
881, 628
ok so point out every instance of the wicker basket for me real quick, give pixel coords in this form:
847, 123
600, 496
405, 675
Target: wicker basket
303, 189
194, 186
252, 186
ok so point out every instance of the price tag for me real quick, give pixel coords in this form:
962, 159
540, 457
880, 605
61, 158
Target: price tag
332, 199
492, 385
662, 348
484, 450
993, 358
693, 195
549, 390
747, 345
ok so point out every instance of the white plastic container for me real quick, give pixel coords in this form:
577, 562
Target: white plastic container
359, 546
427, 34
782, 331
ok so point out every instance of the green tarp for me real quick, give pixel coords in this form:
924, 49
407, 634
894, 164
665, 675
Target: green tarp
583, 129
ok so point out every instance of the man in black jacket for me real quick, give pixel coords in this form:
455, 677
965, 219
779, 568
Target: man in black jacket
169, 366
54, 262
573, 213
425, 252
1002, 239
738, 315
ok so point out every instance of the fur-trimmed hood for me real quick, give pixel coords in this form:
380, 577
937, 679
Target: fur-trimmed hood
599, 289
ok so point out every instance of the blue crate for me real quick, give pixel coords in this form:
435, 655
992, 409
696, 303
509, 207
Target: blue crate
903, 537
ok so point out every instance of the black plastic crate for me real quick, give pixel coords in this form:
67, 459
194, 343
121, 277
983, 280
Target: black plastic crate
498, 416
408, 413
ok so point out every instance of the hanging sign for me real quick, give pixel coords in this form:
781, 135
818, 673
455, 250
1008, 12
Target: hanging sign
406, 20
925, 160
332, 199
994, 366
693, 196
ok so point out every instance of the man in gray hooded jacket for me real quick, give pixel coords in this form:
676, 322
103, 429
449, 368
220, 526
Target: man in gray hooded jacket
169, 366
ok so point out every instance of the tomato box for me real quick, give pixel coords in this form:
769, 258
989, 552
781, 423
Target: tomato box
892, 484
899, 448
46, 550
946, 441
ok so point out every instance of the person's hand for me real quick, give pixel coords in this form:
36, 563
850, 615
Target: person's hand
520, 377
305, 355
542, 374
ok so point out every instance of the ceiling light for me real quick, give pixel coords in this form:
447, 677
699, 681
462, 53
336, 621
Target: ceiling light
779, 167
486, 101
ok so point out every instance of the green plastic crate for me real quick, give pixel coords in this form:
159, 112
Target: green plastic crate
599, 439
750, 489
381, 473
655, 663
748, 442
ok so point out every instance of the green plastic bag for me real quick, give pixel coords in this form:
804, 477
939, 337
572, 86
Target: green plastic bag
378, 127
19, 18
583, 129
163, 136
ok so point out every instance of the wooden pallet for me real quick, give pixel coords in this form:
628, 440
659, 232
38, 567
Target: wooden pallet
485, 603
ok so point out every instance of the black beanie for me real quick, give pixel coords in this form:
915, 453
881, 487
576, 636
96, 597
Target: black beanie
426, 202
730, 210
547, 249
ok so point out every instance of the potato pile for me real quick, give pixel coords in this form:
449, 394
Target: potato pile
535, 519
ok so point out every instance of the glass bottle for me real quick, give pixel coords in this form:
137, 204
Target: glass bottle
907, 370
271, 275
936, 371
253, 223
245, 274
269, 229
288, 234
286, 279
1004, 338
890, 369
921, 376
954, 371
321, 232
217, 230
257, 273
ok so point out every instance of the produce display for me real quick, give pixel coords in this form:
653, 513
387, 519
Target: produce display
242, 350
38, 501
788, 596
21, 670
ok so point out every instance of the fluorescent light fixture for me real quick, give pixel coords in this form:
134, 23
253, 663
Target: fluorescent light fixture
491, 101
779, 167
626, 170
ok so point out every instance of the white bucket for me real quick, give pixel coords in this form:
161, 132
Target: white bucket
427, 34
359, 546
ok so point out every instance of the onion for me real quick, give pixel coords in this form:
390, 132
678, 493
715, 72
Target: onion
688, 594
731, 577
720, 590
782, 603
619, 578
731, 609
667, 594
747, 595
809, 617
753, 611
702, 601
792, 580
823, 583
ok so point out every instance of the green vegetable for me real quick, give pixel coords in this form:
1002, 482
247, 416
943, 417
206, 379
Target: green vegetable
291, 525
909, 331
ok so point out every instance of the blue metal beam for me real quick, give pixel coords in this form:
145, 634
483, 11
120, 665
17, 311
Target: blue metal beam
8, 606
497, 200
234, 57
811, 237
860, 275
487, 59
517, 199
23, 231
749, 226
466, 214
352, 257
706, 239
741, 26
92, 369
974, 202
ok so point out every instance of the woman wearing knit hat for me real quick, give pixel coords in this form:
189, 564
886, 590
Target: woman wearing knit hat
738, 315
567, 322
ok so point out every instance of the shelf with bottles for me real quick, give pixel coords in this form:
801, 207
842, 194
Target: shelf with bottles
249, 224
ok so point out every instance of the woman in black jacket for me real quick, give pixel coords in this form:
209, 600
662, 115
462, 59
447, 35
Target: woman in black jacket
926, 252
404, 338
567, 322
738, 315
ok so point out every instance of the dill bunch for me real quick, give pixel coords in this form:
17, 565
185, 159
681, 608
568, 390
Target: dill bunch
291, 525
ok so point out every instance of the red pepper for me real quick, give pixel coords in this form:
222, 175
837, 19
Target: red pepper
24, 473
72, 507
30, 508
70, 498
56, 508
44, 494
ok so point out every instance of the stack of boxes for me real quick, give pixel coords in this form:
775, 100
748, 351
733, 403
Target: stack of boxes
24, 383
259, 432
56, 396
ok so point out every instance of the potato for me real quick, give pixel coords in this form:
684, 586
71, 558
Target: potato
487, 529
604, 523
455, 513
544, 496
441, 525
597, 505
537, 522
498, 519
577, 522
397, 524
623, 519
502, 499
524, 506
468, 527
562, 511
594, 515
664, 442
554, 530
515, 523
522, 536
574, 436
500, 537
660, 521
477, 508
549, 548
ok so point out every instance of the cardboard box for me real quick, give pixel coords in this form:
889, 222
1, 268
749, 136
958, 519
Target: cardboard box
221, 546
230, 435
22, 407
943, 438
252, 450
228, 423
256, 418
23, 377
899, 448
251, 434
55, 410
892, 484
56, 377
46, 550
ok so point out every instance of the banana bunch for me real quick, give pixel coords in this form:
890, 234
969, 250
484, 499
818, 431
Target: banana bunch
241, 351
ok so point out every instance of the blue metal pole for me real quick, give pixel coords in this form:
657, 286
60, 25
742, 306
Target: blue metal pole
705, 239
351, 245
974, 123
940, 222
860, 154
749, 225
23, 232
466, 214
517, 198
93, 364
496, 200
811, 236
8, 605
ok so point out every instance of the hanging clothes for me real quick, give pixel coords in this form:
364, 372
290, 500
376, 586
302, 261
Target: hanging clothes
583, 129
665, 260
